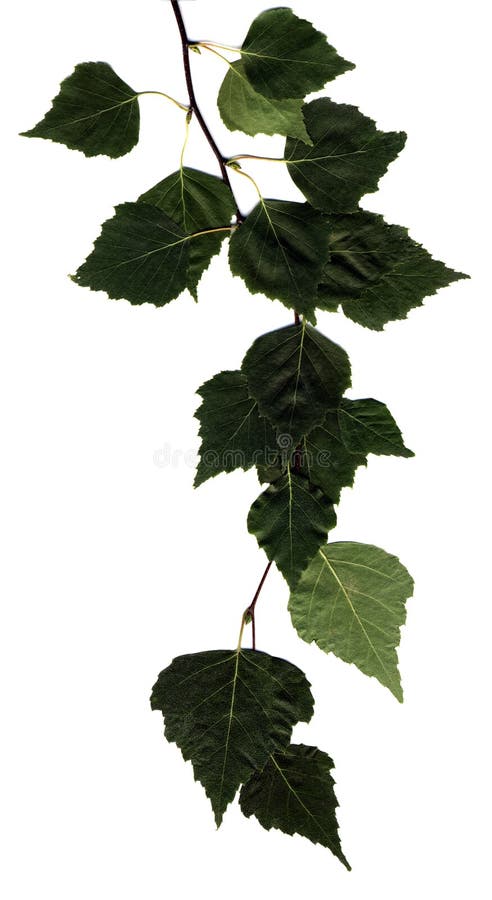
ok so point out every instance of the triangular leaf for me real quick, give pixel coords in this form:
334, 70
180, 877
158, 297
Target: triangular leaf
348, 157
284, 56
280, 251
244, 109
196, 201
95, 112
233, 433
351, 602
326, 460
141, 255
295, 793
227, 710
290, 521
376, 271
367, 426
296, 374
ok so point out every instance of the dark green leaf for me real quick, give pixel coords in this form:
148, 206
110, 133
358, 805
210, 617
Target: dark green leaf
95, 112
227, 710
280, 251
351, 602
376, 271
348, 157
367, 426
141, 255
243, 109
232, 432
296, 374
326, 460
284, 56
295, 793
196, 201
290, 521
267, 474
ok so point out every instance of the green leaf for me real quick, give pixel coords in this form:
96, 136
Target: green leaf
141, 255
227, 711
95, 112
376, 271
243, 109
295, 793
367, 426
284, 56
196, 201
280, 251
296, 374
233, 433
290, 521
348, 157
326, 461
351, 602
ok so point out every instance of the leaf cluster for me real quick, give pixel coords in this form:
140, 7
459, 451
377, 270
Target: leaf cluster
285, 412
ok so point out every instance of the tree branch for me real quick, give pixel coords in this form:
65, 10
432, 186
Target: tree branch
185, 42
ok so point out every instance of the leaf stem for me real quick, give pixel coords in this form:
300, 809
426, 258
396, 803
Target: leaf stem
166, 97
208, 45
250, 612
186, 44
275, 159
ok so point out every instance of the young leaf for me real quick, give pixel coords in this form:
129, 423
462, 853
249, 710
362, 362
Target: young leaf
348, 157
295, 793
280, 251
351, 602
95, 112
376, 271
326, 460
196, 201
296, 374
227, 710
243, 109
233, 433
290, 521
367, 426
284, 56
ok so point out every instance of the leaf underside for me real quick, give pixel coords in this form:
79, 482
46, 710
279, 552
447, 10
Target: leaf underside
351, 601
95, 112
285, 56
290, 521
295, 793
233, 433
228, 710
244, 109
347, 159
296, 375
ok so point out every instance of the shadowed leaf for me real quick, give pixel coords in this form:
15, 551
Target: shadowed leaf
295, 793
227, 710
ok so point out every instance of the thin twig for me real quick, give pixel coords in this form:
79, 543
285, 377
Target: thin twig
194, 104
250, 612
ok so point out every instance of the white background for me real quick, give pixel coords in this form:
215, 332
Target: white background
114, 565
